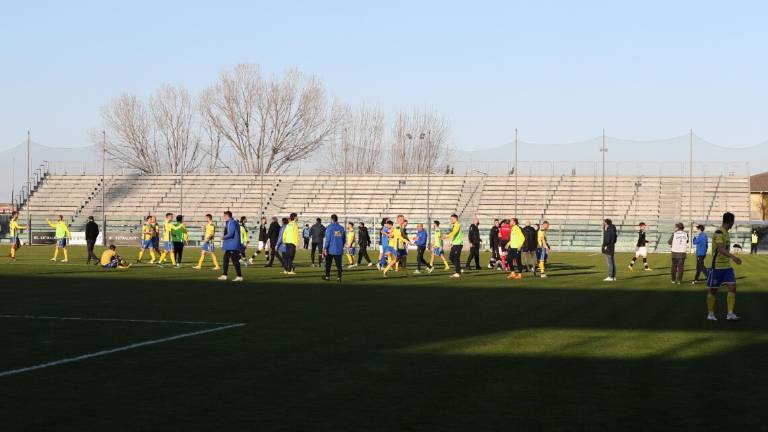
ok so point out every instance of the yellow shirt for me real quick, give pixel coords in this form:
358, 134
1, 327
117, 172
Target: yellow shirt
721, 237
291, 233
437, 238
243, 235
167, 229
107, 256
397, 241
15, 227
62, 230
350, 238
146, 232
210, 231
455, 234
542, 238
516, 238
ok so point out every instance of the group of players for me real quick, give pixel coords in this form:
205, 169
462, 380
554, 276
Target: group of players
508, 248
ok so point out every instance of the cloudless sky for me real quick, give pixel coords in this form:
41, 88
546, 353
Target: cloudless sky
560, 71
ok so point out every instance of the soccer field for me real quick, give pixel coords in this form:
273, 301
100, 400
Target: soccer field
175, 349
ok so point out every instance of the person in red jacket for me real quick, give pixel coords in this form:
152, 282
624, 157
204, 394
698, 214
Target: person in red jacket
505, 231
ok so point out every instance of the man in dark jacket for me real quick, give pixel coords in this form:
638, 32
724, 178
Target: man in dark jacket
273, 234
363, 241
474, 244
529, 247
91, 233
609, 248
317, 235
493, 240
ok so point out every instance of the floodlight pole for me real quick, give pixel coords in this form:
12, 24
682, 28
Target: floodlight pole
103, 188
344, 164
13, 183
429, 175
516, 172
603, 150
690, 183
29, 189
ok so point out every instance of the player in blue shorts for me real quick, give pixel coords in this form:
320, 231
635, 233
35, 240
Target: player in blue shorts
722, 272
209, 233
15, 238
148, 233
437, 246
387, 252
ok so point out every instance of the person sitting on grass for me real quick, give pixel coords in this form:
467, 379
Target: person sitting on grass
110, 259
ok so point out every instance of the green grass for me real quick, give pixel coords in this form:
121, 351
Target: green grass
407, 353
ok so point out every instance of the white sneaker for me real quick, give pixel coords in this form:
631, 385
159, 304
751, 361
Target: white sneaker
222, 278
711, 317
608, 279
52, 259
732, 317
416, 272
353, 266
543, 276
65, 260
250, 260
237, 279
455, 275
370, 264
431, 269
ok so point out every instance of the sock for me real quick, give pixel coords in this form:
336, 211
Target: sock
13, 252
55, 253
541, 266
731, 301
200, 262
173, 258
162, 257
711, 303
645, 262
66, 257
632, 263
152, 255
215, 261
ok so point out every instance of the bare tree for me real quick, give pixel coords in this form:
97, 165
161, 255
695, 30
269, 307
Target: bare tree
130, 135
270, 124
361, 133
420, 142
172, 113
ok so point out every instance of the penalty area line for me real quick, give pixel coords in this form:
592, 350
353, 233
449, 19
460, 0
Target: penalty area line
116, 350
124, 320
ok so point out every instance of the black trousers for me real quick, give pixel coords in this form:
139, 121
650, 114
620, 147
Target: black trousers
273, 253
319, 248
363, 253
178, 251
753, 248
90, 243
474, 253
455, 257
495, 256
402, 258
306, 243
235, 257
335, 258
420, 257
700, 268
513, 257
678, 266
288, 256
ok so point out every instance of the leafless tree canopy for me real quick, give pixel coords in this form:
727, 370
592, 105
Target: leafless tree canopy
270, 124
420, 142
357, 148
152, 137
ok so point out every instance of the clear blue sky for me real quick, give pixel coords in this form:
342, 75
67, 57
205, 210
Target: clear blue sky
559, 71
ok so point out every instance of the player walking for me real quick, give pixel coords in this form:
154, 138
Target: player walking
15, 239
722, 272
62, 237
641, 248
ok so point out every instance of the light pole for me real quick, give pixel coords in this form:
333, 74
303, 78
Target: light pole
29, 189
516, 171
429, 175
690, 181
603, 150
344, 164
103, 188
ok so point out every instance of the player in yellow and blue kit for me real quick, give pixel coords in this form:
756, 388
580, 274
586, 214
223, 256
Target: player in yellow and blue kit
148, 234
396, 240
209, 232
167, 240
15, 239
62, 237
437, 246
350, 245
722, 272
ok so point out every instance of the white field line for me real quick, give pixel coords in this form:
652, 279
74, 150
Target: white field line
222, 326
35, 317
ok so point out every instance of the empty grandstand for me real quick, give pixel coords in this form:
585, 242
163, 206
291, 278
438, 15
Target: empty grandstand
574, 205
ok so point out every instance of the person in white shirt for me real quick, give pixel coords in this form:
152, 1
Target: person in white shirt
679, 248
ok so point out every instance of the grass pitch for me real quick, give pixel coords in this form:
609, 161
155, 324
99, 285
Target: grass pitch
409, 352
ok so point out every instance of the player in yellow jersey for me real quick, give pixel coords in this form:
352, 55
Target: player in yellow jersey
244, 239
722, 272
457, 243
15, 238
514, 246
350, 245
62, 237
543, 249
437, 246
209, 232
396, 240
167, 240
147, 236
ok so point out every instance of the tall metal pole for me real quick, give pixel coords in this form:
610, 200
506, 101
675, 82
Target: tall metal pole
181, 183
13, 183
103, 188
29, 189
516, 171
603, 150
429, 175
690, 183
261, 183
344, 145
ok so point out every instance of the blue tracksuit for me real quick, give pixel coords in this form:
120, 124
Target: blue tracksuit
701, 244
334, 239
421, 238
